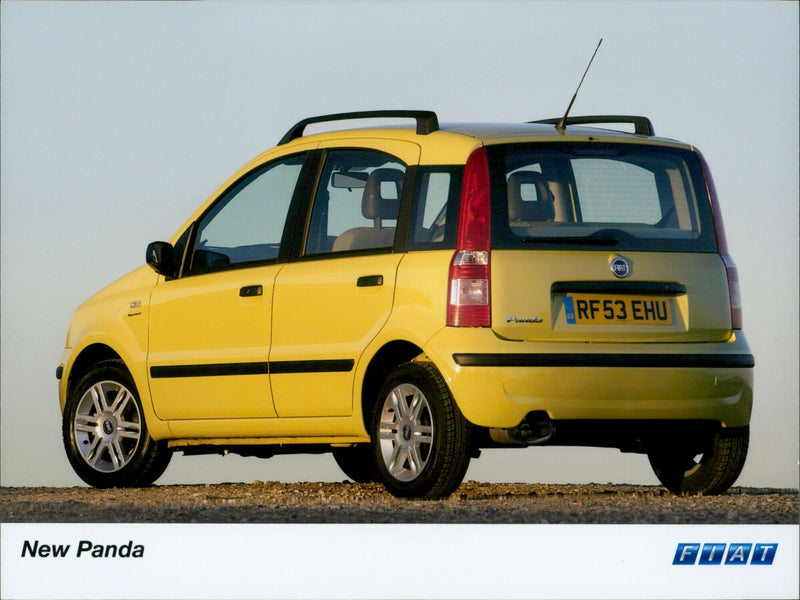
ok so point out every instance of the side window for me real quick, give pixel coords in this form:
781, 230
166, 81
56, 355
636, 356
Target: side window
436, 199
246, 224
356, 204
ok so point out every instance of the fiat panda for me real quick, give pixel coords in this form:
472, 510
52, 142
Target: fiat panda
404, 296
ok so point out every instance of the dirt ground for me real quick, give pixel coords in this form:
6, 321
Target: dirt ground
271, 502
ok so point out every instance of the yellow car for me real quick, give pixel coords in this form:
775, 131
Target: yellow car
404, 296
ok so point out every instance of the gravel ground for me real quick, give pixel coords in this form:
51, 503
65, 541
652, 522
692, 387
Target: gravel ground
271, 502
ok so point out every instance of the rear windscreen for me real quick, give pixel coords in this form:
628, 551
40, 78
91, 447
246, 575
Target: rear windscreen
622, 196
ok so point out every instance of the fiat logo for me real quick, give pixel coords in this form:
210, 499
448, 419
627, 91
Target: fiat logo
620, 267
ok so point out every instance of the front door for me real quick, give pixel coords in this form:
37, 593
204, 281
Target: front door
210, 327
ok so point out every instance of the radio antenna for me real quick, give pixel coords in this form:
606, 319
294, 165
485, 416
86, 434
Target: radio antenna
562, 124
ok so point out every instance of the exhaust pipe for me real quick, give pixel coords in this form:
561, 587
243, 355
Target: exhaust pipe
535, 428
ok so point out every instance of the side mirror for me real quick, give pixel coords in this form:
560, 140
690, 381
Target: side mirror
161, 256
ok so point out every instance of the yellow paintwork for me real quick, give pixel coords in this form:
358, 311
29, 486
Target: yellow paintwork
320, 314
296, 430
312, 309
405, 150
203, 320
522, 281
108, 319
502, 396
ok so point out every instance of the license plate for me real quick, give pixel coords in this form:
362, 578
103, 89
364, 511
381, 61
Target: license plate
603, 309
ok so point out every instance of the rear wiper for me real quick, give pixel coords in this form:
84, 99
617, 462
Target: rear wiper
602, 237
575, 239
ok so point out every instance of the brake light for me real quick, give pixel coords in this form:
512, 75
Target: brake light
469, 289
733, 291
722, 246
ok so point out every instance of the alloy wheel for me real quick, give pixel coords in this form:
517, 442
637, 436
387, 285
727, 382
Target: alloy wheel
406, 432
107, 426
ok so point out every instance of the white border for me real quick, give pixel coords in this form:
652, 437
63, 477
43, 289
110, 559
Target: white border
392, 561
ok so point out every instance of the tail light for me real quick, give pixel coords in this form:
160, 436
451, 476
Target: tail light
733, 291
469, 290
722, 247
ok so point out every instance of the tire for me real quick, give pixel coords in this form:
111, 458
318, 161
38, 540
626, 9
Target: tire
420, 439
709, 473
358, 463
105, 434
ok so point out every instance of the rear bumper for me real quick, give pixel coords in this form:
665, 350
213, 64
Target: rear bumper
497, 382
660, 361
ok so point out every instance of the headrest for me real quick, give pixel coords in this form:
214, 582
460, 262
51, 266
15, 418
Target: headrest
381, 199
529, 197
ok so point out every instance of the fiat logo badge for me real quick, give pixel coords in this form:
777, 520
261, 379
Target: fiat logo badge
620, 267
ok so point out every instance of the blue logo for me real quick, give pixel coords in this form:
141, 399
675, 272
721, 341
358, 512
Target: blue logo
725, 554
620, 267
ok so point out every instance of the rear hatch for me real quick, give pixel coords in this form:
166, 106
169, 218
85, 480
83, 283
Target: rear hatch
604, 242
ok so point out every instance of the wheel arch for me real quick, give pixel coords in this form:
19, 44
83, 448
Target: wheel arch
390, 356
88, 357
98, 351
104, 431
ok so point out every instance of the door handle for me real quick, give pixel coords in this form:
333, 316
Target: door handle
250, 291
370, 281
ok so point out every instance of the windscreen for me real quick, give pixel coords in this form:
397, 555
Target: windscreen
622, 196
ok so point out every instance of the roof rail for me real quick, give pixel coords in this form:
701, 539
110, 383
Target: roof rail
427, 122
642, 125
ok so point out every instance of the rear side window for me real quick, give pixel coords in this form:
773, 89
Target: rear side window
624, 196
435, 211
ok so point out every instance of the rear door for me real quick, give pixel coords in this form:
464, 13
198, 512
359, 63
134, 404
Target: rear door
333, 298
604, 242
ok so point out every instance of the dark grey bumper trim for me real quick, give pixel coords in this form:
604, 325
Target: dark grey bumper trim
670, 361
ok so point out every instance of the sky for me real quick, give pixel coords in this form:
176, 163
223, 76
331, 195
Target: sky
118, 119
